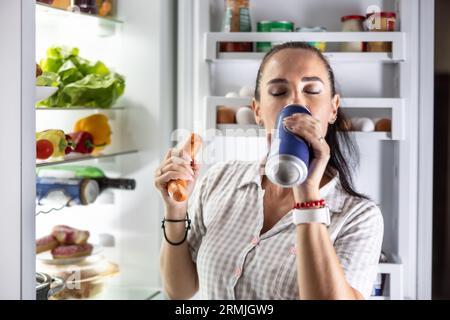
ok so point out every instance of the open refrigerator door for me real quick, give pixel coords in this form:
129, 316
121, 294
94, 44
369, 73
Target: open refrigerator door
99, 139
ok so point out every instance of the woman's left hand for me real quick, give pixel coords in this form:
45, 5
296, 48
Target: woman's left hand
310, 129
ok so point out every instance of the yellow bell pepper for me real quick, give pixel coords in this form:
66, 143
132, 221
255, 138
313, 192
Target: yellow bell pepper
98, 126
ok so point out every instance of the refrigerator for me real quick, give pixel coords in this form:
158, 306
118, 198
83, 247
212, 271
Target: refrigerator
138, 42
176, 78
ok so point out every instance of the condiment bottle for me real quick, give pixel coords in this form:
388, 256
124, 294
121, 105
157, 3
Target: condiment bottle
236, 19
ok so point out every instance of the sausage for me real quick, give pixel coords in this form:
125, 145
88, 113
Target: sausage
46, 243
66, 235
177, 188
72, 251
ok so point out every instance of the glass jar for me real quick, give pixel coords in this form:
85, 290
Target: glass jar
353, 23
236, 19
317, 44
380, 22
85, 277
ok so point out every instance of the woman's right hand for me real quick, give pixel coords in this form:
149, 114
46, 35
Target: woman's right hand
176, 165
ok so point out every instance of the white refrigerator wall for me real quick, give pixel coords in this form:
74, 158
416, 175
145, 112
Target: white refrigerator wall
17, 159
142, 50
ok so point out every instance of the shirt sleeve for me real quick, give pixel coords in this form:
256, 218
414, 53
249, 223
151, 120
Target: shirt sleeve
358, 247
195, 210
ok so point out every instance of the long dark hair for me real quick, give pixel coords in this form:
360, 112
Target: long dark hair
344, 152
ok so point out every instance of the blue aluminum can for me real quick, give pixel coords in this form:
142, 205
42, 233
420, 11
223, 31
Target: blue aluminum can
288, 160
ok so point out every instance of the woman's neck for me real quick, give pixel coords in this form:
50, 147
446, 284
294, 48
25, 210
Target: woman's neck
280, 192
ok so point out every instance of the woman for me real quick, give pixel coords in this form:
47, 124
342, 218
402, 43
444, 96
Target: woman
243, 244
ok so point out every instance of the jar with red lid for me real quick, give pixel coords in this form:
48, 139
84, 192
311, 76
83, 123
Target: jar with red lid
380, 22
353, 23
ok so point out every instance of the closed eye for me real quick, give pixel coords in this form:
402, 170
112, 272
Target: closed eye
312, 92
277, 94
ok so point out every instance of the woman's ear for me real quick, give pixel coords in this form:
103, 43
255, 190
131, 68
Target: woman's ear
335, 104
256, 111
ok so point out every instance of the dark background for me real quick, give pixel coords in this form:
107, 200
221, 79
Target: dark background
441, 207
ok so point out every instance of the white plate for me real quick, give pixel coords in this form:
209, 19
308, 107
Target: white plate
43, 93
47, 258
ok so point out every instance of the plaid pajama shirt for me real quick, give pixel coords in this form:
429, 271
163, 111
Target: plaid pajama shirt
235, 262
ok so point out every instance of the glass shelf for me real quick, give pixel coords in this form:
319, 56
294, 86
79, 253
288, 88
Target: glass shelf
49, 17
83, 157
79, 109
44, 8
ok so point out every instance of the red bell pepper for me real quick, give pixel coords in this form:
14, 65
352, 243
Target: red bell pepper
83, 142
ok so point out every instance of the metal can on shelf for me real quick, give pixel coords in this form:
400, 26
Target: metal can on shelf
384, 22
272, 26
317, 44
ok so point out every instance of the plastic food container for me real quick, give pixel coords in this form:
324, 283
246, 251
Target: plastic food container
353, 23
317, 44
272, 26
380, 22
84, 278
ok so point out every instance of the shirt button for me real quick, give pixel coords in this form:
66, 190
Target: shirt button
237, 271
255, 241
293, 250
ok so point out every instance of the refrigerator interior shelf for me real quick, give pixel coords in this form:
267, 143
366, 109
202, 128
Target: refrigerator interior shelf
51, 16
80, 109
395, 105
236, 130
396, 38
394, 281
82, 157
333, 57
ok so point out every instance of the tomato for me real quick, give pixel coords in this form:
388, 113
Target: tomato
44, 149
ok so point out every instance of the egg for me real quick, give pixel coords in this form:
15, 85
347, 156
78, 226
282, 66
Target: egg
245, 115
383, 125
246, 91
362, 124
355, 126
231, 95
225, 115
366, 125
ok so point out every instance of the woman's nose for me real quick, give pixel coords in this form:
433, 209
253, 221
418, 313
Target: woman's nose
298, 99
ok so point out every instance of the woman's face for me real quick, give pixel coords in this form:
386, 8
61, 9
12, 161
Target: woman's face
295, 76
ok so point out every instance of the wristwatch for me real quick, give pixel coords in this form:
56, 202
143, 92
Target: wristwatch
313, 215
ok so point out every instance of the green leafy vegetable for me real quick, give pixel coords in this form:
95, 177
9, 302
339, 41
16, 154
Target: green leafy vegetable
81, 82
48, 79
